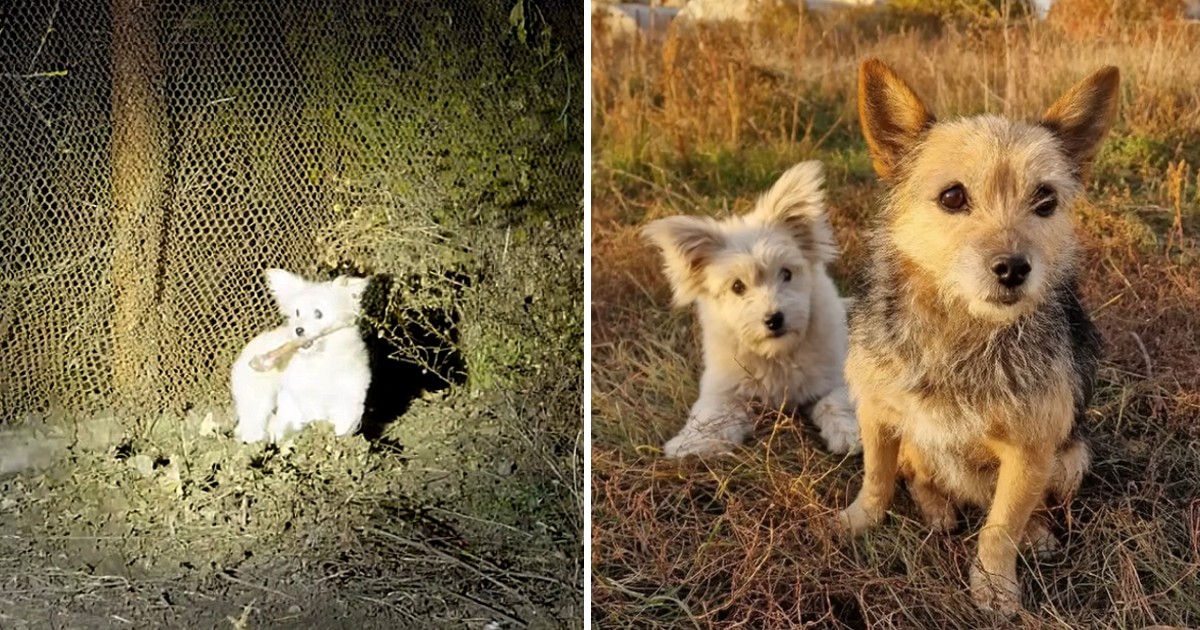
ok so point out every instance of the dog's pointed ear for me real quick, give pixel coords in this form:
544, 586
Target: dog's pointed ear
284, 286
687, 245
1081, 118
892, 116
356, 286
796, 202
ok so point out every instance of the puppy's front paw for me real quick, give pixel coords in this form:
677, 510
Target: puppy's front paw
690, 443
280, 431
346, 426
842, 437
249, 435
995, 592
838, 426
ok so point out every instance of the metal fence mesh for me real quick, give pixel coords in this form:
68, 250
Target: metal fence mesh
156, 156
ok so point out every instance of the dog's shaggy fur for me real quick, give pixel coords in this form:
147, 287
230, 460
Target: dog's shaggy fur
774, 328
971, 358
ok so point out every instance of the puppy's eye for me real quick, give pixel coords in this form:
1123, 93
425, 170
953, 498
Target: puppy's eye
953, 199
738, 287
317, 313
787, 274
297, 312
1045, 201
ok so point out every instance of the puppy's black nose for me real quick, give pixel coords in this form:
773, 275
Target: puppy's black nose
774, 322
299, 332
1011, 270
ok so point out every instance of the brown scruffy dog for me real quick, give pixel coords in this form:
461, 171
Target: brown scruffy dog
971, 358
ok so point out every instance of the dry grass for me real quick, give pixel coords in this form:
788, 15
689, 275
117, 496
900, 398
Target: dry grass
701, 121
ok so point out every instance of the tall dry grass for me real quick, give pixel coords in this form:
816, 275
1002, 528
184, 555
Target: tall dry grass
771, 84
700, 121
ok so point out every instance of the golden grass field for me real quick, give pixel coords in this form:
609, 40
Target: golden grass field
702, 120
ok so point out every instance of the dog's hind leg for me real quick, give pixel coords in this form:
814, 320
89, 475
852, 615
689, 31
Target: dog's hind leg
937, 508
834, 417
1071, 463
1038, 538
346, 416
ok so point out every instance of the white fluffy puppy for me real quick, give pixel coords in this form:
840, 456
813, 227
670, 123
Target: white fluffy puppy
774, 328
328, 376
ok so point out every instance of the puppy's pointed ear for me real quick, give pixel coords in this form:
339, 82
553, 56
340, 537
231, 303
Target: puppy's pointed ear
356, 286
687, 245
892, 116
284, 286
1082, 117
797, 204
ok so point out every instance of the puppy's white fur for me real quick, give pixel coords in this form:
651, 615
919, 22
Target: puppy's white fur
326, 380
739, 272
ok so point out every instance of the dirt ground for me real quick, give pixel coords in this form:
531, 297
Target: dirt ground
192, 529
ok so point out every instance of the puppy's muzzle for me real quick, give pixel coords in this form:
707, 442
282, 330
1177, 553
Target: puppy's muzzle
300, 333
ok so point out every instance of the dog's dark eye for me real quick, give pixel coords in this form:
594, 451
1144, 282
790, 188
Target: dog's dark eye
297, 312
953, 199
738, 287
787, 274
317, 313
1045, 201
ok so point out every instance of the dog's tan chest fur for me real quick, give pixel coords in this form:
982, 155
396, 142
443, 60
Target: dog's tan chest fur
953, 436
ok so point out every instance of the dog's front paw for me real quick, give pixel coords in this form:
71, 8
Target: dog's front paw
248, 434
996, 592
689, 443
858, 518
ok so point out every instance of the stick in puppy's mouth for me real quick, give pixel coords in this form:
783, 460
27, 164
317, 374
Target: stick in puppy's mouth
278, 358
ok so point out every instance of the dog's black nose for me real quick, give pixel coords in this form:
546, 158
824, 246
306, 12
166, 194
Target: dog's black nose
774, 322
299, 332
1011, 270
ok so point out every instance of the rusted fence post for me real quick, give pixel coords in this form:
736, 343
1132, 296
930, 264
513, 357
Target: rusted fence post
138, 198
